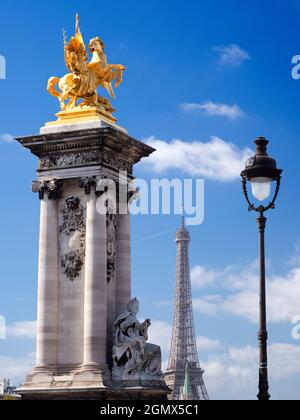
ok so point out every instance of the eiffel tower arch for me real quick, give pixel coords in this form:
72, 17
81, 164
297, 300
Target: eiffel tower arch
184, 359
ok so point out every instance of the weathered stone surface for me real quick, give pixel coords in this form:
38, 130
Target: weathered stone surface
95, 394
101, 148
72, 235
135, 361
84, 266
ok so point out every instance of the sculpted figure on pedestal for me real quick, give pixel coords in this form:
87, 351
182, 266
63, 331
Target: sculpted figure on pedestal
86, 76
134, 358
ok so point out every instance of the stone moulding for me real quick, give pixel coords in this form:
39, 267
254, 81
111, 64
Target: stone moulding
121, 393
96, 146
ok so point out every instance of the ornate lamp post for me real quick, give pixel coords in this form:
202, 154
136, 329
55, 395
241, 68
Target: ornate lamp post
261, 171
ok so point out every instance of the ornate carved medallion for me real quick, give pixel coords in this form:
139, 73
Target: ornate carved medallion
74, 229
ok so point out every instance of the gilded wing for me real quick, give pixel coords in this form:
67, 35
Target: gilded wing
76, 56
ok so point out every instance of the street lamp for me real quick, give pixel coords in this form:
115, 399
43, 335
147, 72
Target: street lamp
261, 171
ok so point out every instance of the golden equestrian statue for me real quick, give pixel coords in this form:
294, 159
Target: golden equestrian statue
85, 77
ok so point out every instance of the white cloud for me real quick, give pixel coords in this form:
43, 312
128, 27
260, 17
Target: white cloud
204, 344
160, 333
245, 355
202, 277
208, 305
2, 328
239, 287
7, 138
294, 260
23, 329
283, 298
232, 373
284, 360
235, 372
16, 368
215, 160
231, 55
232, 112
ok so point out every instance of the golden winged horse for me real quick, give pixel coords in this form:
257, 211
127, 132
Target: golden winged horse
85, 76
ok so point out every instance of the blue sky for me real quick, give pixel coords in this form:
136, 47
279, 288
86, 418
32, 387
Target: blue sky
206, 53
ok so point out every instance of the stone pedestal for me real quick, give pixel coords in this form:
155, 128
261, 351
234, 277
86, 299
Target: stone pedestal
97, 394
84, 262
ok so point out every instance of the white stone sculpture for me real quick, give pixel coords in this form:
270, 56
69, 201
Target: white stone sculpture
133, 358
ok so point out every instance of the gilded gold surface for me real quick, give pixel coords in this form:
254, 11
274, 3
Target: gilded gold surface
85, 77
82, 114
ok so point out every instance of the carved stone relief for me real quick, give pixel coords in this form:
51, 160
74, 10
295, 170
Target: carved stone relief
111, 159
69, 159
66, 160
73, 230
111, 246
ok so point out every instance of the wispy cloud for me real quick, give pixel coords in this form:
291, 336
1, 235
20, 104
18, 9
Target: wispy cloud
208, 305
2, 328
6, 138
16, 368
235, 371
283, 298
204, 343
160, 333
210, 108
231, 55
202, 277
22, 329
239, 287
231, 371
215, 160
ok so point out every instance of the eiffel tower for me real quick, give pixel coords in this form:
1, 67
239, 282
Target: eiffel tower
184, 359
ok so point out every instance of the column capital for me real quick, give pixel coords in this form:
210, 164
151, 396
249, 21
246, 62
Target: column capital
88, 182
53, 188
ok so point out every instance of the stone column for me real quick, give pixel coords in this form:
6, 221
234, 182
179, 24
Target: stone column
123, 264
111, 283
111, 317
48, 287
95, 299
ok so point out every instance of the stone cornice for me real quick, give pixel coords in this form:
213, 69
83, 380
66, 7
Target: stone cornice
99, 139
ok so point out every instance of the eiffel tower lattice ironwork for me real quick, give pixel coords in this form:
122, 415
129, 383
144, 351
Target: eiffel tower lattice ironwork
184, 348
